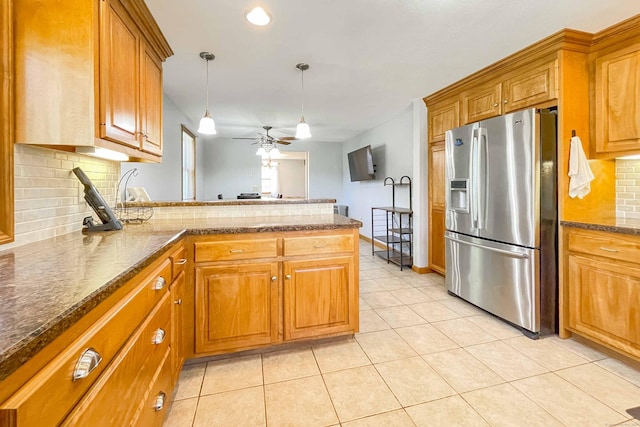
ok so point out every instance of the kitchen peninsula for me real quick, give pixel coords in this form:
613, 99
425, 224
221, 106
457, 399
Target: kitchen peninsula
197, 286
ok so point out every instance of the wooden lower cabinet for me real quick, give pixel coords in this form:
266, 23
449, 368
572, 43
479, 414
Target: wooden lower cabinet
254, 291
436, 241
603, 289
177, 324
236, 306
318, 297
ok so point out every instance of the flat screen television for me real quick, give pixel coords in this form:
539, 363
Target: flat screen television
361, 164
100, 207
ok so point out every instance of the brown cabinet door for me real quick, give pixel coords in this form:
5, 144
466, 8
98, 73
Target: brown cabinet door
481, 103
604, 297
119, 76
436, 240
531, 87
437, 175
236, 306
618, 101
443, 117
151, 102
320, 297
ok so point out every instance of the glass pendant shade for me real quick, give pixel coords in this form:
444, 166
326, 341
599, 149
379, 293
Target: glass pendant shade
302, 130
207, 125
258, 16
261, 152
275, 151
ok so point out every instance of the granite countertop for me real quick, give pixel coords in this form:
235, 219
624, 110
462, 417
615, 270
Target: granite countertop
228, 202
609, 224
45, 287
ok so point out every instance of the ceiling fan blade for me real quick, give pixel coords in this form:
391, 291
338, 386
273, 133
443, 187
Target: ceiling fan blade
245, 138
288, 138
279, 141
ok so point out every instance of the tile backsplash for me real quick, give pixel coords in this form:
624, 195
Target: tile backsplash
628, 188
49, 199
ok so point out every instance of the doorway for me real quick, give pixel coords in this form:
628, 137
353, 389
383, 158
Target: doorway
286, 175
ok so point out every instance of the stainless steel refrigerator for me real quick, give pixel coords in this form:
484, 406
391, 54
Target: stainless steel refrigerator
501, 218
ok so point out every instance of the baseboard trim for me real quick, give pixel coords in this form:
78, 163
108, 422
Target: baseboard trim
422, 270
375, 242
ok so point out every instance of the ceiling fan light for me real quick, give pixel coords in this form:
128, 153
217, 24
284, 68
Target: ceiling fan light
261, 152
258, 16
207, 125
275, 151
302, 130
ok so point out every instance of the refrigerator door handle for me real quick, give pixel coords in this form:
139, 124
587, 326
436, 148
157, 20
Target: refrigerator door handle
500, 251
473, 175
481, 182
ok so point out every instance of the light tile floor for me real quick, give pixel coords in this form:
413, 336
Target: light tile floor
422, 358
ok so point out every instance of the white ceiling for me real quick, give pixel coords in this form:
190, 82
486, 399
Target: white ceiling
368, 58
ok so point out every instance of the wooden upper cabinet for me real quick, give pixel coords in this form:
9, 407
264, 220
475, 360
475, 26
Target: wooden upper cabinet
89, 73
617, 101
119, 77
522, 88
443, 117
481, 103
151, 102
534, 85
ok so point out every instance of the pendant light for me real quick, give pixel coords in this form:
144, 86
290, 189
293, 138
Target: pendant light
207, 125
302, 130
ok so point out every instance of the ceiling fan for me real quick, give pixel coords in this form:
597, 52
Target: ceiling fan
268, 139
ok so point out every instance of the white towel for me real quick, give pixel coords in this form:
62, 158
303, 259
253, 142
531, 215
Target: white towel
579, 171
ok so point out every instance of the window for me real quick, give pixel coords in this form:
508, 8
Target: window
188, 164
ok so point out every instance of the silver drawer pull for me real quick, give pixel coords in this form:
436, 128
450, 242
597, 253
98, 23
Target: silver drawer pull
158, 404
182, 261
158, 336
159, 284
178, 301
236, 251
608, 250
288, 277
89, 360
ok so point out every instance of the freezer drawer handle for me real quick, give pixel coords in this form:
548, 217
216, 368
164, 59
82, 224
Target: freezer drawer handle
500, 251
608, 250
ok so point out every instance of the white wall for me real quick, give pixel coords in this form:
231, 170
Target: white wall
232, 167
399, 148
163, 181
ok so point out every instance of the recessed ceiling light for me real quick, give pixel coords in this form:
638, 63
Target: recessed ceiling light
258, 16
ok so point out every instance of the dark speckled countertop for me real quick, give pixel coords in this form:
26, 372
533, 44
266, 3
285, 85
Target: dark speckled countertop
610, 224
228, 202
46, 287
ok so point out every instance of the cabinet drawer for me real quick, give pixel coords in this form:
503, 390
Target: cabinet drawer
153, 408
115, 397
51, 393
310, 245
608, 245
224, 250
178, 261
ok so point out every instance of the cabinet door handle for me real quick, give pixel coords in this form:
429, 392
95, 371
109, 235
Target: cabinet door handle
505, 101
495, 105
159, 284
158, 404
274, 278
236, 251
89, 360
158, 336
608, 250
288, 277
181, 261
319, 246
178, 301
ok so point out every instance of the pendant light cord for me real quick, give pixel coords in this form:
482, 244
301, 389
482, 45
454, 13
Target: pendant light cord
302, 77
207, 109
